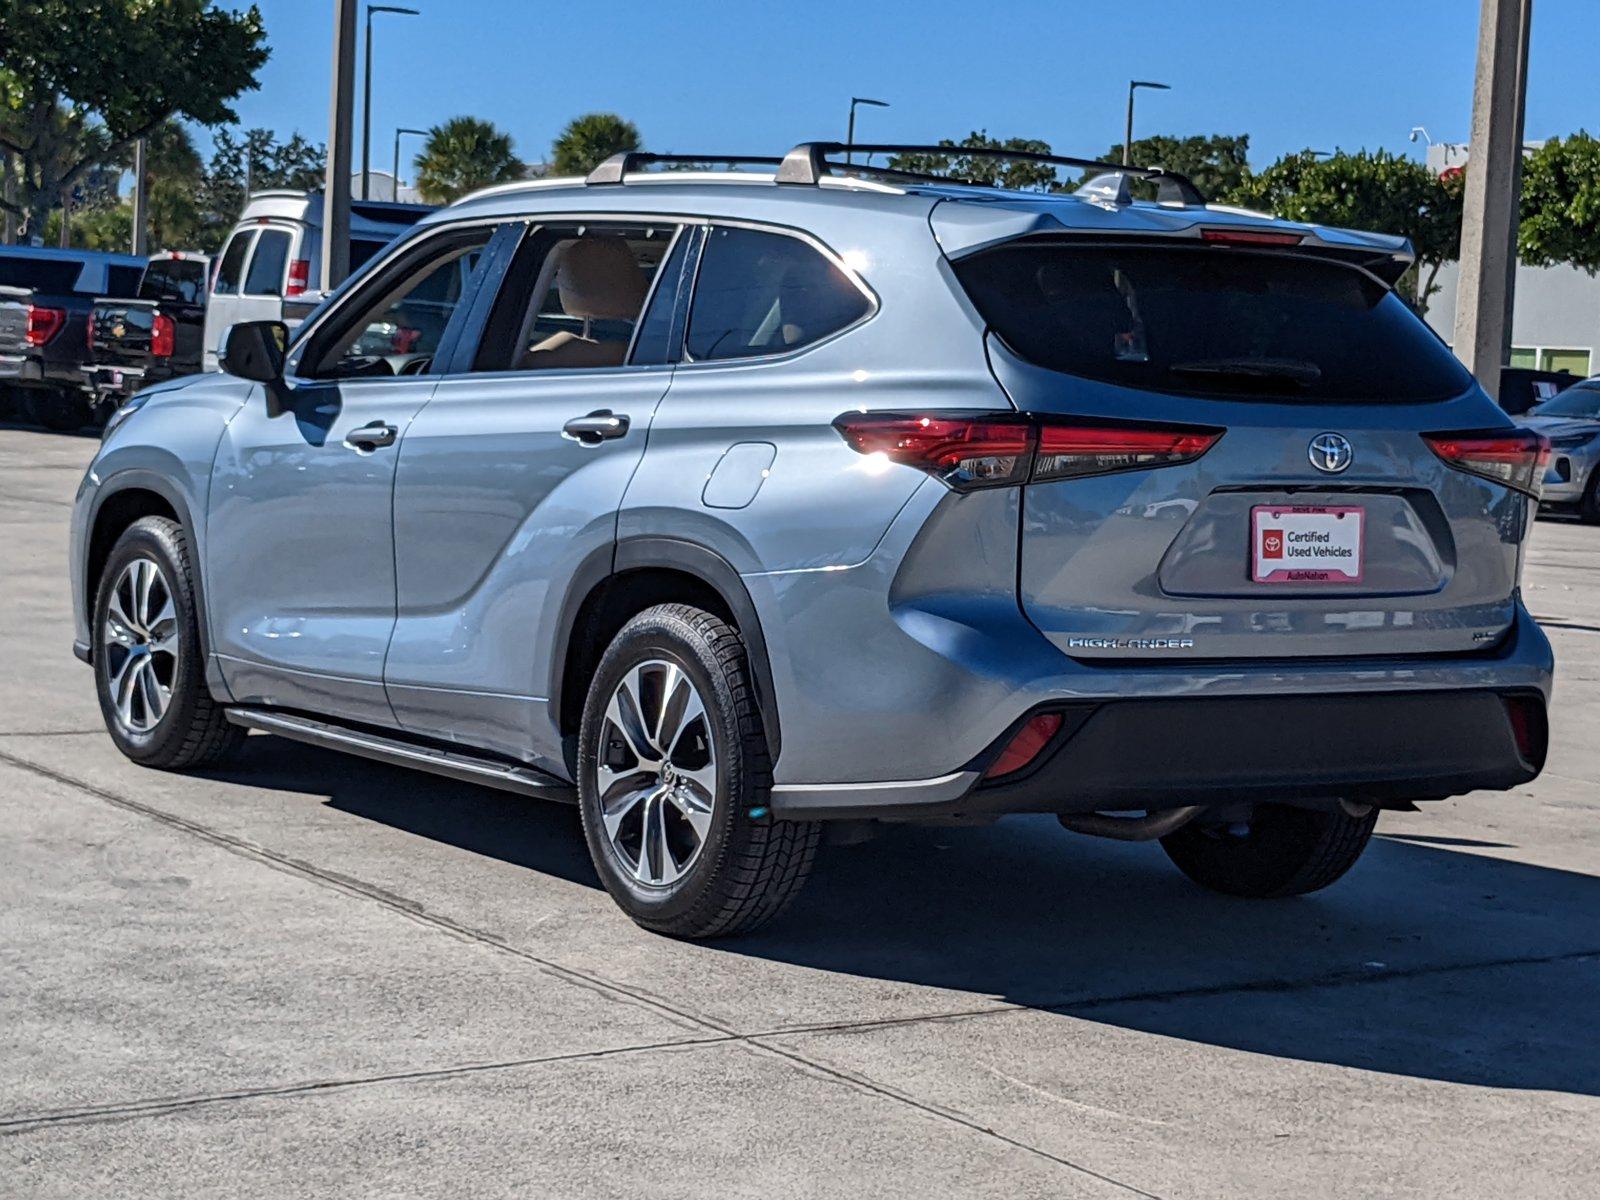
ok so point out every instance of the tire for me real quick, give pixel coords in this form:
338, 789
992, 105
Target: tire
1589, 506
1286, 852
686, 848
149, 668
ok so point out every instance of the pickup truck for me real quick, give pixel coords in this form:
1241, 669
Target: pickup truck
153, 337
45, 298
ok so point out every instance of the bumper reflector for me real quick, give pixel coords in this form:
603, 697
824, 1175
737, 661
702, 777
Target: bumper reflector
1025, 745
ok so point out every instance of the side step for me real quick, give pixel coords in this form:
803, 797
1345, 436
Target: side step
397, 750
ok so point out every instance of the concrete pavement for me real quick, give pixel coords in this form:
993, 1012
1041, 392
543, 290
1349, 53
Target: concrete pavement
311, 975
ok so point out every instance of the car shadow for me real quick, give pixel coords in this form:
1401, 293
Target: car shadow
1430, 959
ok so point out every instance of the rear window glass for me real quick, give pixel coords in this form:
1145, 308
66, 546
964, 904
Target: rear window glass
174, 279
269, 264
230, 272
361, 252
766, 293
41, 274
123, 281
1210, 322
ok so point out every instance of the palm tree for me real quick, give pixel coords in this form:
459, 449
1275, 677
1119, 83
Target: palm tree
589, 140
463, 155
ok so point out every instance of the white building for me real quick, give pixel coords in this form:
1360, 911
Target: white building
1555, 324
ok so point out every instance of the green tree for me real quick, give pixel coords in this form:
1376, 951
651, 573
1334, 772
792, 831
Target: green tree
81, 80
1561, 204
589, 140
1369, 190
1219, 164
243, 162
463, 155
967, 162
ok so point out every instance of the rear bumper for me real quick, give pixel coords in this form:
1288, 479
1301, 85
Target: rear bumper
1152, 754
19, 368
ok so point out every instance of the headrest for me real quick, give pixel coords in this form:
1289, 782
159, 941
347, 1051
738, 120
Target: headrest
599, 280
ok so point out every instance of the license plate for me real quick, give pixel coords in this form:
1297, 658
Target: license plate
1307, 544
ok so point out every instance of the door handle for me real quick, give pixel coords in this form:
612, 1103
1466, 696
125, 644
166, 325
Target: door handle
370, 437
595, 428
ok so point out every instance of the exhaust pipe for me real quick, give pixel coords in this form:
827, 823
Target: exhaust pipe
1131, 829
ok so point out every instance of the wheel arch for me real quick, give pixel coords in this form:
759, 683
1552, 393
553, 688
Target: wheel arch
123, 499
641, 572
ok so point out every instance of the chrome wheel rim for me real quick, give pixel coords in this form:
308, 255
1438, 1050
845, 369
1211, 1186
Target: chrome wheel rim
140, 645
656, 773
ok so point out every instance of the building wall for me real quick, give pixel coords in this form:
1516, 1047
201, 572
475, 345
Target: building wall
1557, 309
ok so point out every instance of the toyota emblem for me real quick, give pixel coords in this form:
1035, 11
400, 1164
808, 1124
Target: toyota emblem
1330, 452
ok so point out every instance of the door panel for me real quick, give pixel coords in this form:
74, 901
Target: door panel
495, 510
301, 578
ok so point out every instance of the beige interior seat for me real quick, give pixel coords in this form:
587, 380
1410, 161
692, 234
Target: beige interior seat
598, 280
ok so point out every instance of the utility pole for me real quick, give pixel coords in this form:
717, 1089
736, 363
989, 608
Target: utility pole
336, 189
1516, 180
1489, 220
141, 196
9, 233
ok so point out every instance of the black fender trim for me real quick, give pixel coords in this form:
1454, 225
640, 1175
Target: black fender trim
647, 551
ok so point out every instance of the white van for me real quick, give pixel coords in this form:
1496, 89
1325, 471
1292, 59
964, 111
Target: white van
271, 265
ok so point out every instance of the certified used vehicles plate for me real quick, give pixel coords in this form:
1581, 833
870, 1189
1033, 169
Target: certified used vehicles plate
1307, 544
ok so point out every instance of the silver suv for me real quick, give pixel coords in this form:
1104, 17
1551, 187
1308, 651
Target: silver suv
734, 504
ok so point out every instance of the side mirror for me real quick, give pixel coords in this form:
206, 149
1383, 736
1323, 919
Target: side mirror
254, 350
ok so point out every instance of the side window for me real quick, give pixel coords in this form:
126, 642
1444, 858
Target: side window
268, 264
230, 271
572, 297
766, 293
652, 344
394, 325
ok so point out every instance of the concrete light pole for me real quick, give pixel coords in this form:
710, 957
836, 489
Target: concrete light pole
1489, 221
366, 96
141, 197
850, 131
1127, 137
397, 133
336, 188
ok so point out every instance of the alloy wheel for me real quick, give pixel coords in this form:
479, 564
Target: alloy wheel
140, 643
657, 773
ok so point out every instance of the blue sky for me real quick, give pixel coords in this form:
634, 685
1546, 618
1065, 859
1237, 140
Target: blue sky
758, 77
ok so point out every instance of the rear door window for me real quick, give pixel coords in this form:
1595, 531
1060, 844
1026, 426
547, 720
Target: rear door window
763, 293
1211, 322
230, 271
269, 264
41, 274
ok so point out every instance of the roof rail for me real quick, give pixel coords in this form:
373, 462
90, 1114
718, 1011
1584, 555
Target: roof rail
618, 165
808, 162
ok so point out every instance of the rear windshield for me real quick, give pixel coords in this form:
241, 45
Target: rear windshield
41, 274
123, 281
1210, 321
174, 279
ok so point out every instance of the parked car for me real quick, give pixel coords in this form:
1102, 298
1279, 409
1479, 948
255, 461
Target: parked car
1571, 422
270, 267
45, 297
1523, 387
731, 505
154, 337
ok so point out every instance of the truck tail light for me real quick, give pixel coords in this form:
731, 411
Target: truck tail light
1025, 745
44, 323
969, 450
163, 333
1515, 458
299, 277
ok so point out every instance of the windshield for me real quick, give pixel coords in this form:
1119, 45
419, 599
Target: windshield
1579, 400
1210, 322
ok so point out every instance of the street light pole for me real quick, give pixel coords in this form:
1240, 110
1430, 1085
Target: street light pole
397, 133
336, 185
850, 132
366, 98
1127, 137
141, 197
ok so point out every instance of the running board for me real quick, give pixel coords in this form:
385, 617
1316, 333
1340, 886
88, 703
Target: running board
396, 750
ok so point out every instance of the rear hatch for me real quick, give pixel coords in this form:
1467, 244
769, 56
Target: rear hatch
1309, 514
120, 332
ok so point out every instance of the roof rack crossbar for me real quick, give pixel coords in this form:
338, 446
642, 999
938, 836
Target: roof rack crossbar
619, 165
808, 162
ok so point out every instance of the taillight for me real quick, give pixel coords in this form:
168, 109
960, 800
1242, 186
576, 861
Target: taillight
964, 450
1250, 237
44, 323
1530, 727
299, 277
1515, 458
163, 333
1025, 745
968, 450
1069, 451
